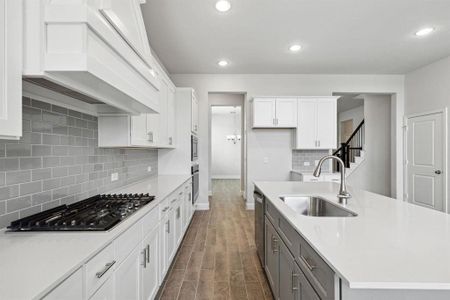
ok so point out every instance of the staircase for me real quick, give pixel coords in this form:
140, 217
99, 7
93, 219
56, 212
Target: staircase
352, 151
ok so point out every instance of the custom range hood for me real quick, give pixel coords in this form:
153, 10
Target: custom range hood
94, 51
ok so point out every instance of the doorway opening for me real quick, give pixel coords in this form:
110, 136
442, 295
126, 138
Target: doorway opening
227, 142
366, 141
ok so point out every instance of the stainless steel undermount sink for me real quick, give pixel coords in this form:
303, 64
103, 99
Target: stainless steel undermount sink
316, 207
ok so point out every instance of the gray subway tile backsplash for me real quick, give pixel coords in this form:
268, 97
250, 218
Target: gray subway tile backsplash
57, 161
302, 157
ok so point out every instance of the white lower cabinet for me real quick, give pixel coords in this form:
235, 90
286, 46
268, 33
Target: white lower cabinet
150, 270
69, 289
127, 276
105, 292
134, 265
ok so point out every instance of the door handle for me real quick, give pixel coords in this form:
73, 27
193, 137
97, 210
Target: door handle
438, 172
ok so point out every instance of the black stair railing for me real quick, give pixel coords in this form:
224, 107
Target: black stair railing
352, 147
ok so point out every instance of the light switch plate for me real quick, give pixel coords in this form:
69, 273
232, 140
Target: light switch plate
149, 168
306, 163
114, 176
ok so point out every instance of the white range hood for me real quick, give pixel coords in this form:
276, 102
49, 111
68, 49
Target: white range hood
93, 51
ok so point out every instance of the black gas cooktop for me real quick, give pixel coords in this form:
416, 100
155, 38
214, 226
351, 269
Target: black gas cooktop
98, 213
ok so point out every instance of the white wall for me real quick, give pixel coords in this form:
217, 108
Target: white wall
276, 144
357, 114
225, 154
374, 174
428, 89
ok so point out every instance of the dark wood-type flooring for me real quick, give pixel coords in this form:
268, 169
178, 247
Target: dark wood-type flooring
217, 258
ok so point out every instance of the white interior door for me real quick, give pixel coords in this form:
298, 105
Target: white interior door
425, 160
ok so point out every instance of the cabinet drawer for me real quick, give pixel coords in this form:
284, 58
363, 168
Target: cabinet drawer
150, 221
127, 241
272, 213
70, 289
288, 234
99, 269
164, 207
316, 270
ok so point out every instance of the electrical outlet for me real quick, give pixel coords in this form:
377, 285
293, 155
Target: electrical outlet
114, 176
149, 168
306, 163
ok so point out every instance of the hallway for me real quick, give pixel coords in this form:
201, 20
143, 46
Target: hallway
217, 259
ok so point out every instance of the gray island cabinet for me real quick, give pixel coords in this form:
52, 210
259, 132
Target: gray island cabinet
312, 258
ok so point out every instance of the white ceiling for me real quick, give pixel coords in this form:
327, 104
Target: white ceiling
348, 102
338, 36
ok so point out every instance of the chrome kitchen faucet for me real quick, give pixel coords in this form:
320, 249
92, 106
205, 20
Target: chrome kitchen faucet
343, 195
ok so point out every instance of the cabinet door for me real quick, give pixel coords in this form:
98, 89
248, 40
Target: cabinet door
11, 69
326, 124
105, 292
171, 246
286, 112
69, 289
127, 276
288, 276
306, 130
272, 257
303, 289
178, 221
150, 269
139, 134
171, 118
163, 250
163, 112
264, 112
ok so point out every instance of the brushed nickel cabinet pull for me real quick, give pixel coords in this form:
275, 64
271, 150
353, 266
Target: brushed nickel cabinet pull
294, 287
148, 253
106, 269
305, 261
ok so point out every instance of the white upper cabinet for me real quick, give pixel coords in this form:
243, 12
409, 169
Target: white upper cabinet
11, 69
286, 112
171, 117
317, 123
274, 112
264, 112
93, 51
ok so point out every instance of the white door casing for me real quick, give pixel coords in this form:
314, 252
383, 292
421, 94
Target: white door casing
426, 148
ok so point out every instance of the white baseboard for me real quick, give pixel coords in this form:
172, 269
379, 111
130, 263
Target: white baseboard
250, 206
225, 177
202, 206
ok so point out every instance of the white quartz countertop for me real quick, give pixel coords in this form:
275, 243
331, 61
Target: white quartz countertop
391, 244
31, 264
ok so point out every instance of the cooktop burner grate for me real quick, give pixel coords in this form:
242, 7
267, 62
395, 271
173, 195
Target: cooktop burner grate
98, 213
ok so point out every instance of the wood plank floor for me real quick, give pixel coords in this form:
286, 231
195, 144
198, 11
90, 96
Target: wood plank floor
217, 258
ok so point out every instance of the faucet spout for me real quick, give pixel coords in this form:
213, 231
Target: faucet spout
343, 195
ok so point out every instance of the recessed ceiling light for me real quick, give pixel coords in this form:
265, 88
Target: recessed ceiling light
223, 5
425, 31
295, 48
223, 63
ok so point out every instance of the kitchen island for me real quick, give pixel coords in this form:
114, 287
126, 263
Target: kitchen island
390, 250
